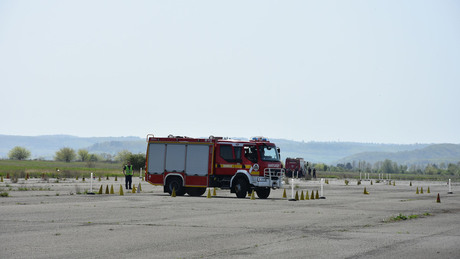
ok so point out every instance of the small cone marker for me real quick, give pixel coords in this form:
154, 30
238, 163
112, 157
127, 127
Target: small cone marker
27, 176
417, 191
428, 191
214, 192
111, 189
209, 194
1, 180
99, 178
252, 195
317, 195
301, 196
312, 197
365, 191
284, 194
43, 176
438, 200
421, 189
134, 189
83, 179
107, 189
173, 194
297, 195
371, 182
100, 190
7, 175
140, 188
121, 190
76, 178
116, 178
107, 178
306, 195
410, 184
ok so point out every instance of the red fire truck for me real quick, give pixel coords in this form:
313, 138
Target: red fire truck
295, 167
190, 165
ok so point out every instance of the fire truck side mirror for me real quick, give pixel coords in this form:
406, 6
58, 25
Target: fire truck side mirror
279, 150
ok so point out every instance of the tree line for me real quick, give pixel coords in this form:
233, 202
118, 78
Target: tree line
68, 155
390, 167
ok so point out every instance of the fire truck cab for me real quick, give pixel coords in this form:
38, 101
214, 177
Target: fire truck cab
190, 165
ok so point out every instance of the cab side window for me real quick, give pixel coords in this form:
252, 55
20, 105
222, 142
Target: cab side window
226, 152
231, 154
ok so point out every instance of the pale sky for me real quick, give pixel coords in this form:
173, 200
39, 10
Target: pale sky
362, 71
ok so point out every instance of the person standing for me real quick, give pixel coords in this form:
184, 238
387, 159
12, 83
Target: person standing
128, 172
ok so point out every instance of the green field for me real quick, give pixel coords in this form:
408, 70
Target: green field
20, 169
55, 169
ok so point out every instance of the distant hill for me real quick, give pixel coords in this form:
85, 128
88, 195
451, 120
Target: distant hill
330, 152
436, 153
325, 152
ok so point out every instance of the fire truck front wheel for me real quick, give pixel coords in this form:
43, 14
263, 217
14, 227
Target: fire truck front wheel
263, 193
241, 187
176, 184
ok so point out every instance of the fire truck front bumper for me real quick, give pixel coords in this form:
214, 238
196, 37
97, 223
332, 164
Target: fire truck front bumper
272, 178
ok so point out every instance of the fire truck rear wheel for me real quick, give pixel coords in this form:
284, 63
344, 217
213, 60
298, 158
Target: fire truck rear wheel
195, 191
241, 187
176, 183
263, 193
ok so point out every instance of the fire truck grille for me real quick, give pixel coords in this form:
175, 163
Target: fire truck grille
273, 173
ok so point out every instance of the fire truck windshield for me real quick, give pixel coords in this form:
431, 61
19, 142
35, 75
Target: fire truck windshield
269, 153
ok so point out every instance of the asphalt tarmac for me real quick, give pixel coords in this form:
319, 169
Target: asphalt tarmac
57, 219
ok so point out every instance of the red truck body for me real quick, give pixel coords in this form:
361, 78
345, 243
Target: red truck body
190, 165
295, 167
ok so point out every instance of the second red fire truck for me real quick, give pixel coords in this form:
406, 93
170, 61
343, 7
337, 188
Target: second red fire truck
190, 165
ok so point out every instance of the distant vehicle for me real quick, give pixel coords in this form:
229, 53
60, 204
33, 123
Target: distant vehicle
295, 167
190, 165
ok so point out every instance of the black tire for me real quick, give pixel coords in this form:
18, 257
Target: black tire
175, 183
195, 191
241, 187
263, 193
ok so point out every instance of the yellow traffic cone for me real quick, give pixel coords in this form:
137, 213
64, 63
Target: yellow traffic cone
107, 178
121, 190
421, 189
438, 200
410, 184
209, 193
111, 189
100, 190
417, 191
296, 195
99, 178
371, 182
365, 191
317, 195
306, 195
284, 194
301, 196
107, 189
140, 188
173, 194
214, 192
312, 197
134, 189
116, 178
428, 191
253, 197
1, 180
